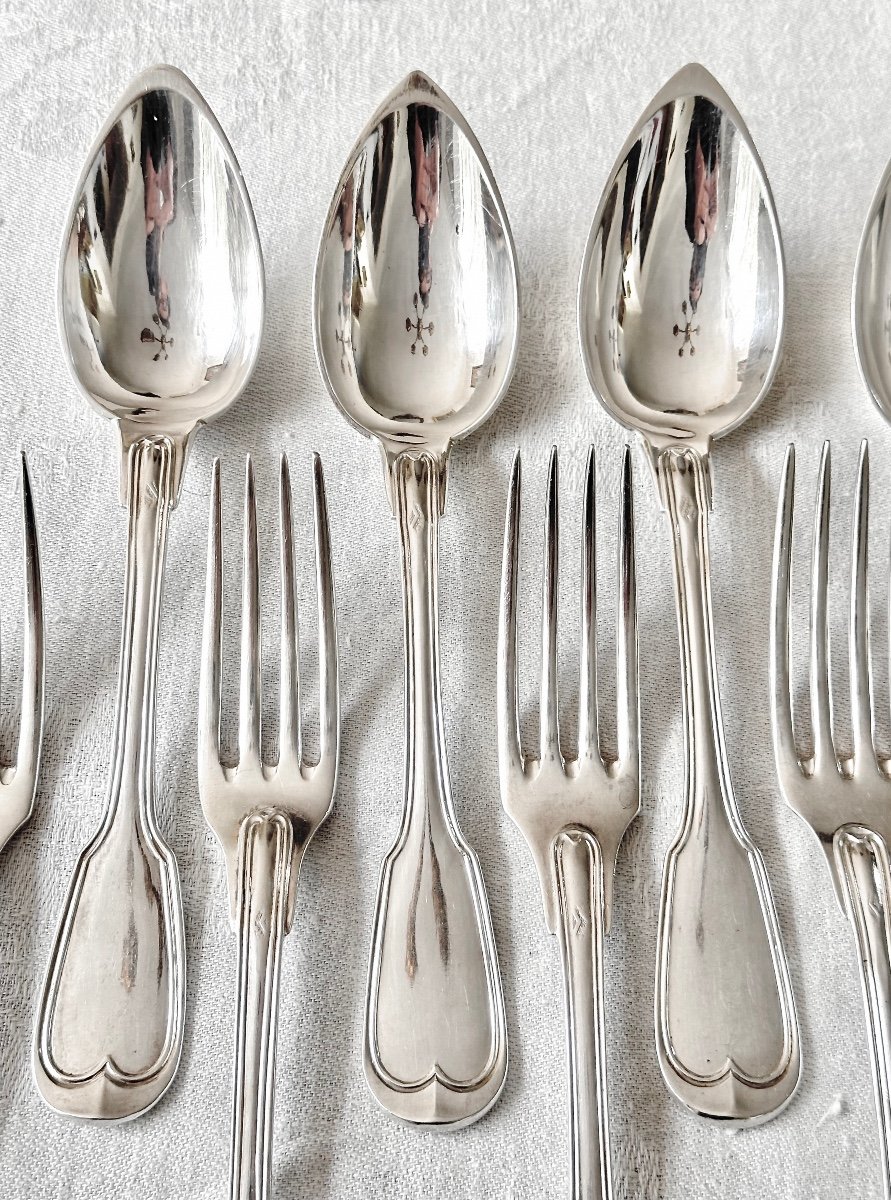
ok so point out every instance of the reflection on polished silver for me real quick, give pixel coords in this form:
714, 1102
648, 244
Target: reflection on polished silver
573, 812
264, 814
18, 781
161, 308
681, 320
416, 324
845, 799
871, 305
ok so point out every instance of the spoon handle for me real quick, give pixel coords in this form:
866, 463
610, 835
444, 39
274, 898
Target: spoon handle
726, 1030
579, 867
864, 868
110, 1023
435, 1045
265, 855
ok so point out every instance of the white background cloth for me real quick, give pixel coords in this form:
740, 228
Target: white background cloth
551, 90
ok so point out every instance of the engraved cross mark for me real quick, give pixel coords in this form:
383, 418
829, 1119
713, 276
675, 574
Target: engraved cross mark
345, 337
419, 329
161, 339
688, 330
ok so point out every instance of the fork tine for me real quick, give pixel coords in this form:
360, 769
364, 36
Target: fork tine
28, 753
861, 678
329, 694
589, 741
289, 704
211, 650
510, 752
821, 713
627, 693
549, 723
249, 710
781, 590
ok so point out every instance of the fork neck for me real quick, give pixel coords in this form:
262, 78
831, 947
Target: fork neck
149, 498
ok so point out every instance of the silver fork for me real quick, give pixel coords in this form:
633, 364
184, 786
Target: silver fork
18, 782
573, 812
846, 801
264, 814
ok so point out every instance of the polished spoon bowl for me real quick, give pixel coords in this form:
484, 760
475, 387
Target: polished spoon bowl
681, 308
871, 298
416, 323
161, 298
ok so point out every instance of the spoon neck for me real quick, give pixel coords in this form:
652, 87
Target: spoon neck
135, 433
685, 492
430, 462
149, 468
681, 471
418, 485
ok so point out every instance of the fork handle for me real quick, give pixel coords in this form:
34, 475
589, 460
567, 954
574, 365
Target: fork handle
864, 868
578, 863
265, 854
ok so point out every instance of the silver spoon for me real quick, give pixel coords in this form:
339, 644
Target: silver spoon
416, 323
865, 838
681, 303
161, 297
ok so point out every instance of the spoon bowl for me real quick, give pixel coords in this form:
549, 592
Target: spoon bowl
681, 296
416, 300
161, 286
871, 303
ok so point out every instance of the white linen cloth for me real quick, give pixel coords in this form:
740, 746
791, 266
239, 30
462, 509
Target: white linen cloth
551, 90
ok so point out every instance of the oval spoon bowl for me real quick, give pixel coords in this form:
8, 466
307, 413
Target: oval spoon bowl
681, 294
161, 286
416, 299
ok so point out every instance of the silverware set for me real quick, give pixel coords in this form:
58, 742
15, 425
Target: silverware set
416, 320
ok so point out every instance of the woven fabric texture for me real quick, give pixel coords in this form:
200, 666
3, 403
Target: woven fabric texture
551, 89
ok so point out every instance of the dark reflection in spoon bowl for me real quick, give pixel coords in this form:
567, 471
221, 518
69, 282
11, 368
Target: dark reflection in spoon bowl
415, 285
681, 296
161, 266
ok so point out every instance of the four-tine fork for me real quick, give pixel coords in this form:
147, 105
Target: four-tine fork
845, 800
264, 814
18, 782
573, 812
